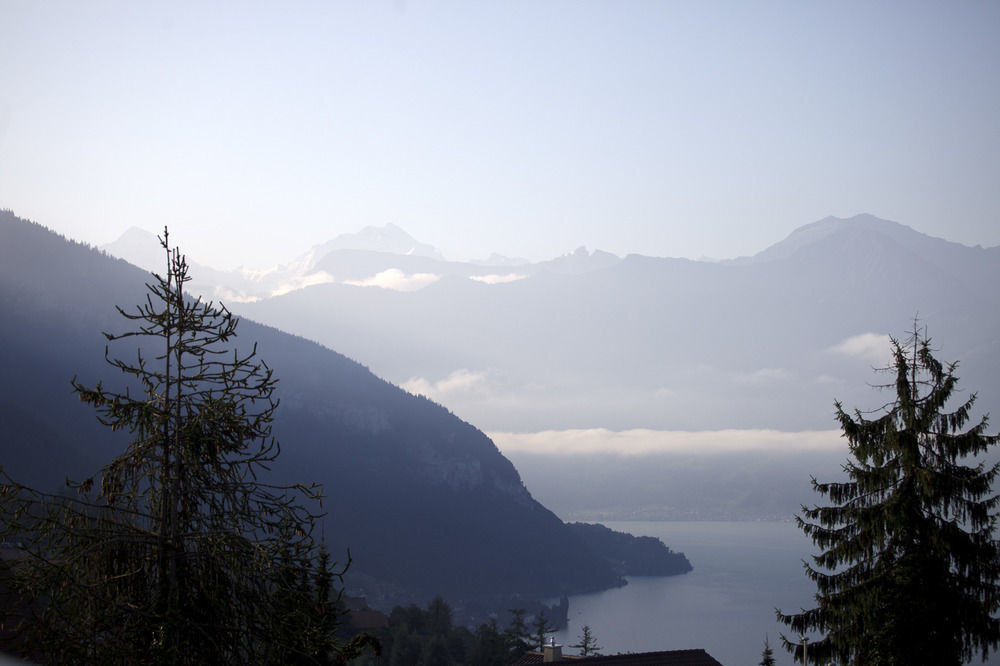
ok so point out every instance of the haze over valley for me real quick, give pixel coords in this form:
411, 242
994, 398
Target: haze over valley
407, 184
423, 501
678, 388
559, 298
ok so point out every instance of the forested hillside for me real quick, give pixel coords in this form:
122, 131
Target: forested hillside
424, 501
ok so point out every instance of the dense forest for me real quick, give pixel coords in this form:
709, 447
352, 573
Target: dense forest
630, 555
417, 636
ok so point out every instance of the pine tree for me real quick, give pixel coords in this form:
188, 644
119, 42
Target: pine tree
767, 656
518, 634
177, 551
909, 568
588, 644
542, 628
491, 647
439, 616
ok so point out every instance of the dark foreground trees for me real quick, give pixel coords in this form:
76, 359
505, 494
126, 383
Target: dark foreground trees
426, 637
177, 551
909, 569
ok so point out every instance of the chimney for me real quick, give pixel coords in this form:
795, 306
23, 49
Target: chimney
551, 652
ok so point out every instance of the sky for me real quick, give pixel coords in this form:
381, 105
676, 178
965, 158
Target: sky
256, 130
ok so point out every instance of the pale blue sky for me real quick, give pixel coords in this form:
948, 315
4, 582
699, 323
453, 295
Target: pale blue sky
258, 129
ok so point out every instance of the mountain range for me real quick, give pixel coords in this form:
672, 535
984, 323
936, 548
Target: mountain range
592, 340
605, 346
739, 360
423, 501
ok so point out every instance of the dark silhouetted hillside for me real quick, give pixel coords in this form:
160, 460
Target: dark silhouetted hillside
631, 555
425, 502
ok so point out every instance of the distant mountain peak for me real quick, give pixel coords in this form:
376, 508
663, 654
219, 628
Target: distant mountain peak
832, 224
388, 238
581, 261
496, 259
139, 247
136, 233
821, 230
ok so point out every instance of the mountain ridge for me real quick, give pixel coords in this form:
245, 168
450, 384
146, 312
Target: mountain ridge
388, 257
424, 501
393, 240
654, 341
667, 344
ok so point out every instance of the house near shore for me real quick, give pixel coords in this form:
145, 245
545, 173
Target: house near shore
553, 653
362, 618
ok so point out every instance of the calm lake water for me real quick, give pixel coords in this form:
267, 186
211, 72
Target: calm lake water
742, 572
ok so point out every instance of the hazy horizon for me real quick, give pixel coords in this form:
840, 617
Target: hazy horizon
680, 129
778, 393
395, 279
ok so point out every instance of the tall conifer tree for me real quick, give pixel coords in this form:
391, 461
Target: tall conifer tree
767, 655
909, 569
588, 644
542, 629
177, 551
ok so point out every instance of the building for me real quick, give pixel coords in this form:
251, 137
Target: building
553, 653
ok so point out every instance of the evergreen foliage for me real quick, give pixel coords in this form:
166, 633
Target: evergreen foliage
909, 568
631, 555
519, 628
425, 636
177, 551
493, 647
542, 628
588, 644
338, 424
767, 655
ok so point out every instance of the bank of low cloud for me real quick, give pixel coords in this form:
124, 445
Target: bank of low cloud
494, 278
397, 280
640, 442
301, 282
462, 381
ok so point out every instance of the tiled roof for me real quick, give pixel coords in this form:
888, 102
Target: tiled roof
665, 658
367, 620
532, 658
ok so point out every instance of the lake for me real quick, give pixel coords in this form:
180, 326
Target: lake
742, 572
